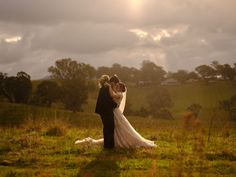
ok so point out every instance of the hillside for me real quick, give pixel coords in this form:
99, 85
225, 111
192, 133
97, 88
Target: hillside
206, 94
42, 143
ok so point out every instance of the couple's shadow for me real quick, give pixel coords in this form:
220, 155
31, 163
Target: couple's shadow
105, 163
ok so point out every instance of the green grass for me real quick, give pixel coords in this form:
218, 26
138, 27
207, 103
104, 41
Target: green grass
30, 151
37, 141
205, 94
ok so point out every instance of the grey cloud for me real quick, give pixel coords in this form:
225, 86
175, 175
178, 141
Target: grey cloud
57, 11
11, 52
97, 32
83, 38
152, 12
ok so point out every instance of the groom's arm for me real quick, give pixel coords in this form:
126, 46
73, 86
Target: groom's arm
110, 99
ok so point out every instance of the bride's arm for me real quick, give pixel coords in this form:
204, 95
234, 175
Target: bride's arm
112, 93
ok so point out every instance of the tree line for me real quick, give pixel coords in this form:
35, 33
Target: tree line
153, 73
71, 81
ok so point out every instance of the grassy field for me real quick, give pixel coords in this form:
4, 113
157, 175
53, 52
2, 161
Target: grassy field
206, 94
42, 141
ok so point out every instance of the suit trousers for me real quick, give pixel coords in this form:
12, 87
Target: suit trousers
108, 130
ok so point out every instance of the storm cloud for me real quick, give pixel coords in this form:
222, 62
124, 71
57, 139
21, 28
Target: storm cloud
176, 34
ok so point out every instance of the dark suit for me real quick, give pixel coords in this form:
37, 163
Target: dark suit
104, 107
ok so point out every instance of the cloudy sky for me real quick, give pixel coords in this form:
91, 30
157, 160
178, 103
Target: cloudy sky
175, 34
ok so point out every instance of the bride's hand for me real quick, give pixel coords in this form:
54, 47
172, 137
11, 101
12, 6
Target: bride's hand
107, 84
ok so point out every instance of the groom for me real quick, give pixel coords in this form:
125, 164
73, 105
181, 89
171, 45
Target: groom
104, 107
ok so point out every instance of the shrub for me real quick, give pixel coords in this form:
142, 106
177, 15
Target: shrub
56, 129
159, 101
229, 106
194, 109
143, 112
164, 114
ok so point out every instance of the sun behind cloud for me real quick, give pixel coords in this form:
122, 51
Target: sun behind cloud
136, 7
13, 39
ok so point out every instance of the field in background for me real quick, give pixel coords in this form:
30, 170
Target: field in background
206, 94
42, 142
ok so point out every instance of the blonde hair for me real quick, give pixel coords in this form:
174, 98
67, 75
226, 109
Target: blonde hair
103, 79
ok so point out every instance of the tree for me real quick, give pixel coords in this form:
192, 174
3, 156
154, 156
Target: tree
206, 72
17, 89
89, 70
217, 66
73, 78
24, 87
91, 75
229, 106
103, 70
74, 95
47, 92
152, 72
2, 77
195, 109
122, 71
193, 75
116, 69
159, 101
181, 75
9, 88
135, 74
225, 70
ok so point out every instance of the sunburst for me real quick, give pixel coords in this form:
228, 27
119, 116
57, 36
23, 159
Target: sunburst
136, 6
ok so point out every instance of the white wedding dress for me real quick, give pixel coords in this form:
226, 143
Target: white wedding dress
125, 136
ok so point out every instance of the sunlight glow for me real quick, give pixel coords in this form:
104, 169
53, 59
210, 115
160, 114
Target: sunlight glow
157, 34
135, 6
161, 34
13, 39
139, 33
136, 3
203, 42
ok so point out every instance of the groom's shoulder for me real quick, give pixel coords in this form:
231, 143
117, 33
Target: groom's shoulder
104, 88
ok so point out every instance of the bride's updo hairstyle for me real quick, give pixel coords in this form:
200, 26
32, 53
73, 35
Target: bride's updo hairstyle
103, 79
122, 86
114, 79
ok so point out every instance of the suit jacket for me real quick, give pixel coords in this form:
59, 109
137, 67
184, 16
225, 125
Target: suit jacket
105, 103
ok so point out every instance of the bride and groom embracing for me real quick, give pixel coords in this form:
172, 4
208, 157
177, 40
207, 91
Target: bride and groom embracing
117, 131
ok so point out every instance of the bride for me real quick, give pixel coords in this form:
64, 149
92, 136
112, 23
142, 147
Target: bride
125, 136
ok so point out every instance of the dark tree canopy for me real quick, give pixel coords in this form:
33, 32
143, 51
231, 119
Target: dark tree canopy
181, 75
2, 78
206, 72
125, 73
225, 70
193, 75
229, 106
17, 89
46, 93
24, 87
152, 72
159, 102
74, 79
